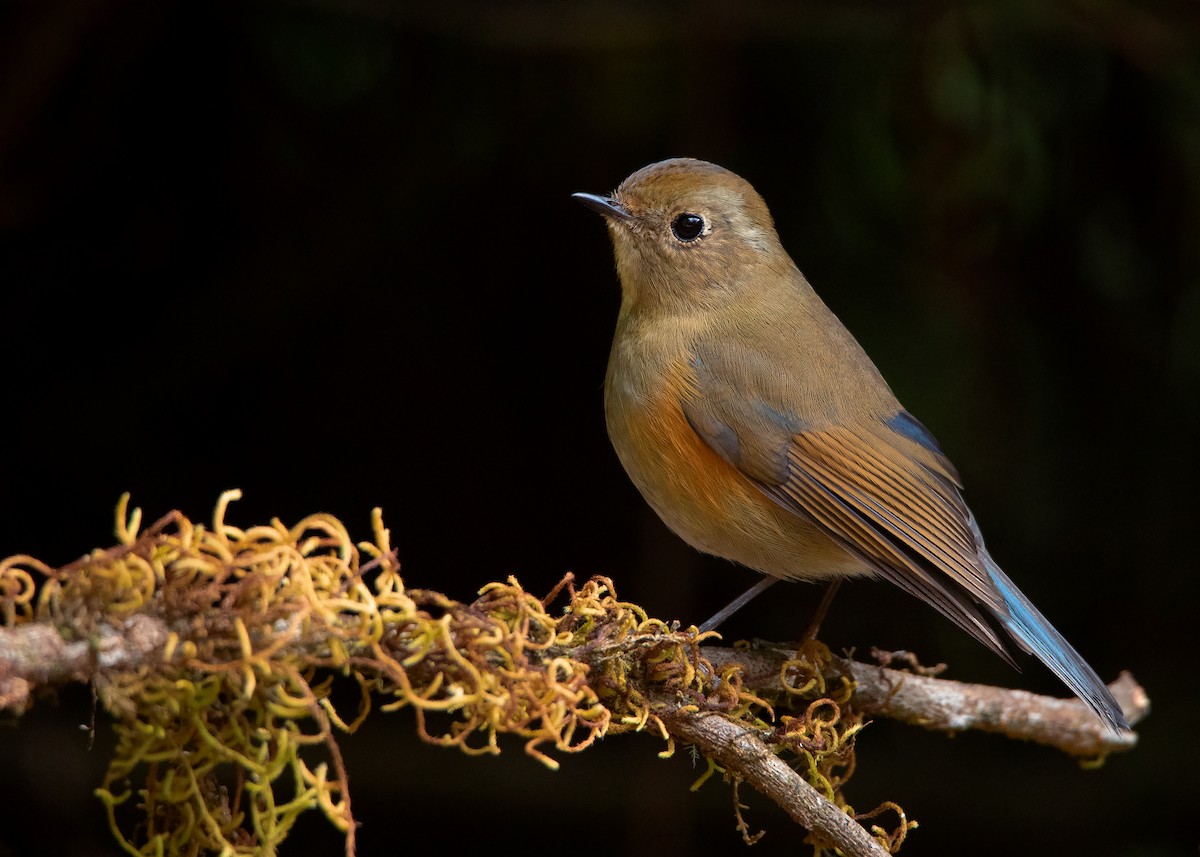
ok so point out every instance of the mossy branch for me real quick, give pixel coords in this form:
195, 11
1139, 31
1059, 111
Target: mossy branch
916, 696
214, 650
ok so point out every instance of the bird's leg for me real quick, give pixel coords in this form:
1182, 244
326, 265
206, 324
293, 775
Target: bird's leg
737, 603
814, 626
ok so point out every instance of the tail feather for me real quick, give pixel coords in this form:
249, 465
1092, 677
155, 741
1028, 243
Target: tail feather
1037, 636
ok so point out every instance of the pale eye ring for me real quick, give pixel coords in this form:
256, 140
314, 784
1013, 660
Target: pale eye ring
688, 227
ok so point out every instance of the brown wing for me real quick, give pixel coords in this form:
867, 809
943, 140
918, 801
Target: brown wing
879, 486
904, 518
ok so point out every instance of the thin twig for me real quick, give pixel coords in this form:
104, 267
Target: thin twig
739, 750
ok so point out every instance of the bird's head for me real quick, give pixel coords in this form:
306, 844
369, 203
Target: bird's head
686, 232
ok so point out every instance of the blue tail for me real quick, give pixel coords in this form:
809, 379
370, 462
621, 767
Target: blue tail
1030, 629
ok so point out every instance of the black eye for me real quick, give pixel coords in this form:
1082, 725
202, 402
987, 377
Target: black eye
687, 227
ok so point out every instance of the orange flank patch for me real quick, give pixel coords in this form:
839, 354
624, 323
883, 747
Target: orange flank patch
712, 505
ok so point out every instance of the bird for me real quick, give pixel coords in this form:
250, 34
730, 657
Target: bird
758, 429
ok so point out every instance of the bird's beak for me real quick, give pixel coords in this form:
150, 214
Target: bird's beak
604, 205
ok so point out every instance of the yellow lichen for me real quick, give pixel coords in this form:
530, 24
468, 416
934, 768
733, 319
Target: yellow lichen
226, 734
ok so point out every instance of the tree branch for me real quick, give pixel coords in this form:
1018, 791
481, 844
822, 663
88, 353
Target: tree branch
740, 750
36, 655
951, 706
184, 613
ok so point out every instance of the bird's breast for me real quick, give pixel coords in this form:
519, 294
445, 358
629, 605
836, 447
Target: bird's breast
706, 501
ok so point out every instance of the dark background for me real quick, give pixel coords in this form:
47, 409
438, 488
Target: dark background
326, 253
